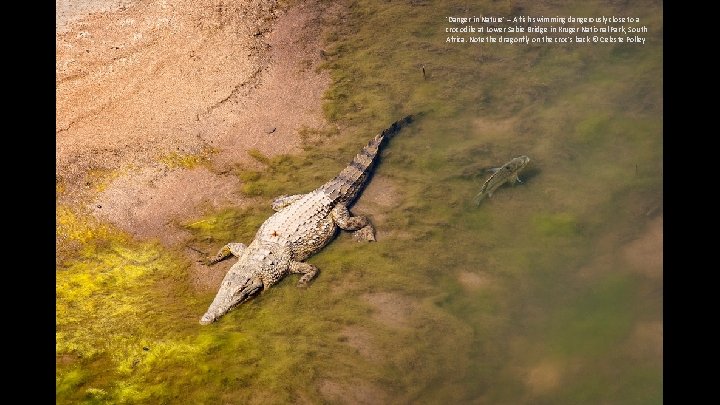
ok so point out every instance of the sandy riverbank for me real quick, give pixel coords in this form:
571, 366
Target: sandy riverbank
151, 80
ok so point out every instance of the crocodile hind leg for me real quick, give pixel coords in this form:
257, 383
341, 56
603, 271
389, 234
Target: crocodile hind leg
231, 249
364, 230
285, 200
307, 270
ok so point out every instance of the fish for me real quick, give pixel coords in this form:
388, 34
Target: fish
507, 173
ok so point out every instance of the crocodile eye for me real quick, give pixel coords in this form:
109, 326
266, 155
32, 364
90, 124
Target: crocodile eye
508, 168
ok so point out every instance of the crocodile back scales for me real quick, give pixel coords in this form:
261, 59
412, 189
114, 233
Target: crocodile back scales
305, 226
346, 186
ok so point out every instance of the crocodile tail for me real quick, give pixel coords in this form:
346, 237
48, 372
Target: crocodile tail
346, 185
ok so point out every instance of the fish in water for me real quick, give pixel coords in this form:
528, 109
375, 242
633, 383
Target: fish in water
507, 173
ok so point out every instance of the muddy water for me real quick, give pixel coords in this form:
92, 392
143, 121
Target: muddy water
548, 292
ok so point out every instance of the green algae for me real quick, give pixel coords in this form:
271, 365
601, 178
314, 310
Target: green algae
100, 178
285, 174
259, 156
228, 225
312, 138
187, 160
561, 224
595, 322
106, 297
71, 226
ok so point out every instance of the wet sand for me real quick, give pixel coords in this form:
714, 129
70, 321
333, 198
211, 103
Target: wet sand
139, 82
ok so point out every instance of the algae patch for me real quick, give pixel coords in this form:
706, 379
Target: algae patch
561, 224
115, 307
188, 160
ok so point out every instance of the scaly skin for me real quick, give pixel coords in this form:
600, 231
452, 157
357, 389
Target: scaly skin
507, 173
302, 225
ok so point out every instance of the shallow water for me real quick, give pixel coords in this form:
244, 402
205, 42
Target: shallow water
549, 292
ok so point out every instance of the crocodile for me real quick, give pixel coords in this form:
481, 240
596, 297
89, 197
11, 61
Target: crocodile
302, 225
507, 173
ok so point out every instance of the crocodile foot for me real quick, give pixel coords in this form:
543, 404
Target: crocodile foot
307, 270
231, 249
364, 234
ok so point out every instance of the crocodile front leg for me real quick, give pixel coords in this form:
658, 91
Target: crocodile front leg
231, 249
307, 270
284, 200
364, 230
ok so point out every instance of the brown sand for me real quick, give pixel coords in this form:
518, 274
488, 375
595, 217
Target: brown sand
361, 340
140, 82
390, 309
645, 254
357, 392
544, 377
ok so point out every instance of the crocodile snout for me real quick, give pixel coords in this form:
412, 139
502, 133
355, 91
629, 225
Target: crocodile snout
208, 318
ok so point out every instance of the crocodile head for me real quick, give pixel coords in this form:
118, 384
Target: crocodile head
241, 283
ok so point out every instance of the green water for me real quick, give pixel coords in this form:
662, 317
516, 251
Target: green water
541, 295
